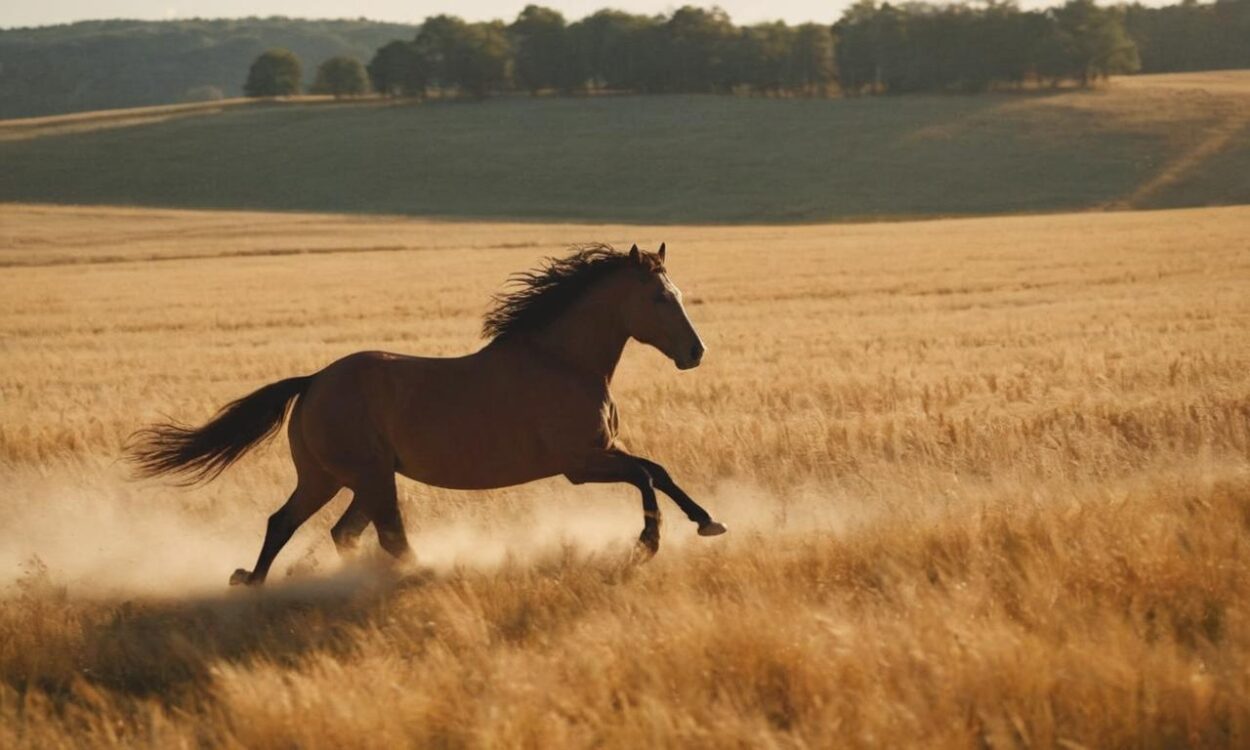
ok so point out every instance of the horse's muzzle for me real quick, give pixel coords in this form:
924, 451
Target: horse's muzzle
694, 358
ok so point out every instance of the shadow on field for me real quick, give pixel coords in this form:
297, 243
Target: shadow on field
166, 648
725, 159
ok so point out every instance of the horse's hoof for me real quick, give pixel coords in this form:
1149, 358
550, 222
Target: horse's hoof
641, 555
647, 547
241, 577
712, 528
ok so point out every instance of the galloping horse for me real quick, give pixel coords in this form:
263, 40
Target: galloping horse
532, 403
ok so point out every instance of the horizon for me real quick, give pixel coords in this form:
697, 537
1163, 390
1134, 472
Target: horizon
742, 12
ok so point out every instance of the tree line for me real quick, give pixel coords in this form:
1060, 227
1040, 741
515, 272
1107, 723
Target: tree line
1191, 35
112, 64
874, 48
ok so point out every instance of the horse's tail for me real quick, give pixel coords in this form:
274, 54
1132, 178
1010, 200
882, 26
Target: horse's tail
200, 454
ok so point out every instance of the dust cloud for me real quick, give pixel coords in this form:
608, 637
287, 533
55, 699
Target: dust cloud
112, 538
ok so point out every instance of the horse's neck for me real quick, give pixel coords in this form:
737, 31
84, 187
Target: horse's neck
587, 337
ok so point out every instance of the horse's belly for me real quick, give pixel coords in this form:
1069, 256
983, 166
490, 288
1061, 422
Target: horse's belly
481, 428
439, 476
476, 465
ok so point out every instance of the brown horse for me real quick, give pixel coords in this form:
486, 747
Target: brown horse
532, 403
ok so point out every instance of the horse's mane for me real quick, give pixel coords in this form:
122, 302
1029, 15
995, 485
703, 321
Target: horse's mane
542, 294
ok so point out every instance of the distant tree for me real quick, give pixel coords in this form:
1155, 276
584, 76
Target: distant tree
276, 72
397, 70
110, 64
879, 46
952, 48
341, 76
763, 57
611, 49
473, 58
1191, 35
813, 67
872, 47
543, 56
1018, 44
699, 50
439, 46
1094, 40
484, 63
962, 47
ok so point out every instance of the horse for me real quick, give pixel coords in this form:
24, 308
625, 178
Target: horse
533, 403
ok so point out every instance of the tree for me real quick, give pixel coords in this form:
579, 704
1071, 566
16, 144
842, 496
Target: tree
397, 70
1094, 41
1019, 44
483, 64
474, 58
812, 65
763, 57
438, 46
341, 76
699, 44
610, 48
276, 72
543, 56
872, 51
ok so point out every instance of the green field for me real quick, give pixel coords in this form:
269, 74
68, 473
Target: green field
674, 159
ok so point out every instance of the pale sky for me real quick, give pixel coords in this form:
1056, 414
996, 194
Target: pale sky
44, 12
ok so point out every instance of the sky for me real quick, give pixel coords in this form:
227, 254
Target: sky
45, 12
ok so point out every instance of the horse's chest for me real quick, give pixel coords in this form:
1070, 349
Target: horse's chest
582, 424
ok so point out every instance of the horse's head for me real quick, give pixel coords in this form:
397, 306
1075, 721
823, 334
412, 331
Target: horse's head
653, 313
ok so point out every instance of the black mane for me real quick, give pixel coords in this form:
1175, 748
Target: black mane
545, 292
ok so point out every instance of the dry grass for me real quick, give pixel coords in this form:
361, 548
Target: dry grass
988, 483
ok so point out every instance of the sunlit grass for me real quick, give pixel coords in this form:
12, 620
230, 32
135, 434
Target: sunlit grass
987, 483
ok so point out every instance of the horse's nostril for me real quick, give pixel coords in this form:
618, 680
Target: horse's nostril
696, 352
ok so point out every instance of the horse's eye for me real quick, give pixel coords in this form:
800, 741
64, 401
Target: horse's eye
661, 298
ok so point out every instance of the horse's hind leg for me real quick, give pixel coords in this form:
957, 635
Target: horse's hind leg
379, 500
346, 533
314, 490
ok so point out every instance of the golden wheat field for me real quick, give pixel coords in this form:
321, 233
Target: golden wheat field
987, 483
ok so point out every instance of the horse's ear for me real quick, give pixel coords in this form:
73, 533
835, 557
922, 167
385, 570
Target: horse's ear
661, 252
634, 255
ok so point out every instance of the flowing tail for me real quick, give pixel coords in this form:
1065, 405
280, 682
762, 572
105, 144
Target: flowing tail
200, 454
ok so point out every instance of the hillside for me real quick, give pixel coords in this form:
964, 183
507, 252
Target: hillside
111, 64
1179, 140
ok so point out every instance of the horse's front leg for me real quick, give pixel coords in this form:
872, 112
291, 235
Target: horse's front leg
613, 467
664, 483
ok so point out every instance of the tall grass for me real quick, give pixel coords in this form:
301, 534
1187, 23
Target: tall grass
988, 483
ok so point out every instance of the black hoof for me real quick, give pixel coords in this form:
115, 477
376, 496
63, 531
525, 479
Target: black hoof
648, 545
712, 528
241, 577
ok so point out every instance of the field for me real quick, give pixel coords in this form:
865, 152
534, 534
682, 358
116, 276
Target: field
1143, 142
987, 480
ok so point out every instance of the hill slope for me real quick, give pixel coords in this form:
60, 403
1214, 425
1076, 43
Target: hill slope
110, 64
1170, 141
